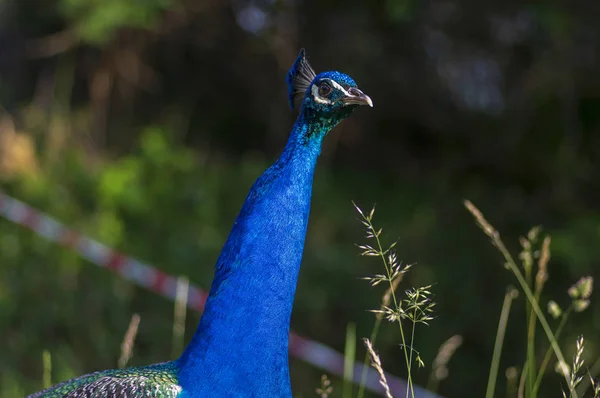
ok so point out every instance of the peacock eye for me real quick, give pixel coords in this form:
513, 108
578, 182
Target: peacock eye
324, 89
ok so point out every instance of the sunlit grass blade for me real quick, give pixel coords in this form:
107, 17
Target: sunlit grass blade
439, 369
349, 358
47, 375
128, 341
512, 266
181, 298
495, 363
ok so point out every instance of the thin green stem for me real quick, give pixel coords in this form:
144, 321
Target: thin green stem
47, 375
495, 364
540, 375
586, 382
551, 338
531, 363
349, 357
412, 333
520, 391
530, 337
510, 263
409, 385
412, 340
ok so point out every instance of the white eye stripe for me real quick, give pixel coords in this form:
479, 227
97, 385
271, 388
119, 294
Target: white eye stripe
315, 93
338, 87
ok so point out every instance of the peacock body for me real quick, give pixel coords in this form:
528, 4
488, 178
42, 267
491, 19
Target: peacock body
240, 348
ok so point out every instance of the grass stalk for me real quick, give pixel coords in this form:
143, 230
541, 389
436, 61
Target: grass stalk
375, 331
510, 295
531, 362
47, 363
128, 341
593, 372
380, 252
180, 312
349, 357
439, 368
521, 390
512, 381
409, 384
376, 363
365, 369
511, 265
548, 354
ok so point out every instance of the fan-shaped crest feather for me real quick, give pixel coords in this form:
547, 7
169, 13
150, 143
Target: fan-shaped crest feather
299, 78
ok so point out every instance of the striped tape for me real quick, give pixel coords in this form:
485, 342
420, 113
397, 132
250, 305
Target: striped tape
144, 275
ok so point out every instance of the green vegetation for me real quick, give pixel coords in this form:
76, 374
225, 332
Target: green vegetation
143, 125
417, 307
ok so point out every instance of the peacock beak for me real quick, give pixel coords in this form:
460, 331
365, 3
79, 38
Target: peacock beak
357, 97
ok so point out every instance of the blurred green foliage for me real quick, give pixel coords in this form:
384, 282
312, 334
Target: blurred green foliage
492, 102
97, 21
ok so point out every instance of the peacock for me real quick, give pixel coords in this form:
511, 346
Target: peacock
240, 348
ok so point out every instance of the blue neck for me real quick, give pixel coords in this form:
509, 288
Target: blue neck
241, 343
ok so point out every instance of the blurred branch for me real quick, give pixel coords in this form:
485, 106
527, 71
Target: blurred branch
52, 45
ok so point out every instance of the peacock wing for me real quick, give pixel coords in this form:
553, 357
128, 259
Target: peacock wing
159, 381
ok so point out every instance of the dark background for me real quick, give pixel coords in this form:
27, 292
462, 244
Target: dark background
143, 124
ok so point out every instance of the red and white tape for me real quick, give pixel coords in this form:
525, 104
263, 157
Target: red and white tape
142, 274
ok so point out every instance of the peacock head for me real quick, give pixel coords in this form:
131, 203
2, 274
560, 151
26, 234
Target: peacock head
328, 97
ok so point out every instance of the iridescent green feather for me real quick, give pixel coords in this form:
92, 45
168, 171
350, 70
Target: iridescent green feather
158, 380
